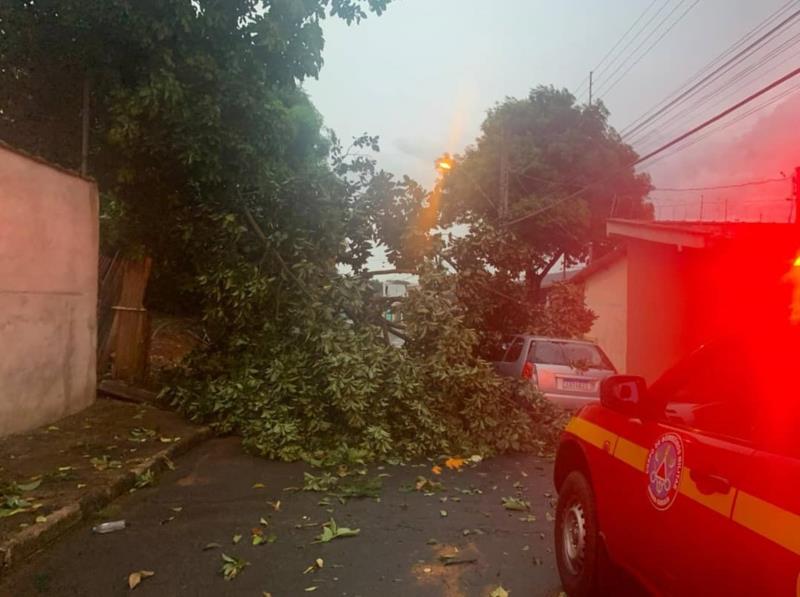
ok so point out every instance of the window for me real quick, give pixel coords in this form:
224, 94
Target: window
713, 391
584, 356
514, 350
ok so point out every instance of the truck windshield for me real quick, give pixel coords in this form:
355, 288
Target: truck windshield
570, 354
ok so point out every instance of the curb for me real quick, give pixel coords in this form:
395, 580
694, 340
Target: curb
34, 538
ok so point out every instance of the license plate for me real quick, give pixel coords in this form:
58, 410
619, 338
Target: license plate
578, 385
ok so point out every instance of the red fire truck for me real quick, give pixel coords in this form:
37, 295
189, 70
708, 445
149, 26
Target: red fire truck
691, 485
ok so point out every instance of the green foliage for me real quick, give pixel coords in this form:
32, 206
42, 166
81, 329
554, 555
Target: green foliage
213, 161
312, 384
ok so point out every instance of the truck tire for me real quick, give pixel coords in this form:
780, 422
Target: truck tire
578, 546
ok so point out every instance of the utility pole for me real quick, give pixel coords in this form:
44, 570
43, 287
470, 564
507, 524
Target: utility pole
591, 81
85, 127
796, 193
503, 176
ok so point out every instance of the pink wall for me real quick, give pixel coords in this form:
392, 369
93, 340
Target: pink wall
48, 292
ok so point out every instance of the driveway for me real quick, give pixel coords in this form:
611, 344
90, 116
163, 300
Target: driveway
458, 540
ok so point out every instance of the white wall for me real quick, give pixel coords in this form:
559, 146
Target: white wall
606, 293
48, 292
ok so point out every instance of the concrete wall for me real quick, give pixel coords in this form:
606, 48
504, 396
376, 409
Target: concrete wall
48, 292
658, 304
606, 293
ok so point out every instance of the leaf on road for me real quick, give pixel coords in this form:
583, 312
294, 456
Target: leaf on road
528, 518
236, 539
29, 486
275, 505
208, 546
436, 470
455, 560
512, 503
499, 592
134, 578
331, 531
454, 463
549, 517
263, 521
177, 509
443, 513
427, 486
232, 566
317, 565
145, 479
258, 486
310, 589
40, 519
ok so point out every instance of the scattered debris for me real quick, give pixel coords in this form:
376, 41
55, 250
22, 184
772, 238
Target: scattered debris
109, 527
331, 531
236, 538
499, 592
232, 566
145, 479
134, 578
210, 546
512, 503
454, 463
104, 462
454, 560
317, 565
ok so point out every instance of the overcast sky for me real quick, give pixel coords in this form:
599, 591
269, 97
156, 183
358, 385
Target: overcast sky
423, 75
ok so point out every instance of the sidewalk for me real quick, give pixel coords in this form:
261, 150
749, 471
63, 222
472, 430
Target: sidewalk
55, 476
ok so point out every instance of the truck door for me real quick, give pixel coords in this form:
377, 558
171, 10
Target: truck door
700, 453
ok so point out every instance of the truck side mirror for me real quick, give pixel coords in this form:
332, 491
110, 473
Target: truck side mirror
624, 393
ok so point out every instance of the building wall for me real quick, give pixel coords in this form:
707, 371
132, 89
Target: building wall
606, 293
658, 307
48, 292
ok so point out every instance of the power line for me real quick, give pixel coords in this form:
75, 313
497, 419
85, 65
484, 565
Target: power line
627, 129
726, 125
631, 41
666, 146
738, 81
740, 185
714, 75
616, 45
666, 32
720, 116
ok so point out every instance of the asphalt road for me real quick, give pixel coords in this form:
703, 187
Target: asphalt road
403, 534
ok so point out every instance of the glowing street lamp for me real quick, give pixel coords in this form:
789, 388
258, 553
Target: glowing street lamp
444, 164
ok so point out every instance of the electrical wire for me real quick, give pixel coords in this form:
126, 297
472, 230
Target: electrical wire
715, 74
738, 81
631, 41
780, 81
710, 65
666, 32
615, 46
752, 183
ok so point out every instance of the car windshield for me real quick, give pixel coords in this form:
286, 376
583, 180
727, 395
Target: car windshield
571, 354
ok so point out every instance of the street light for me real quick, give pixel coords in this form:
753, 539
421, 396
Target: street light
444, 163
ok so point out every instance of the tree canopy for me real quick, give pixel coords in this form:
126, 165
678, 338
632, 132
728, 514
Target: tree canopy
533, 191
212, 160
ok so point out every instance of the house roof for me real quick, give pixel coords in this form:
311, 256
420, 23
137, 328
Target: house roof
44, 162
562, 276
599, 265
698, 235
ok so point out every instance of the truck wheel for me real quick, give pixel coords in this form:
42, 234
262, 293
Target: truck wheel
578, 547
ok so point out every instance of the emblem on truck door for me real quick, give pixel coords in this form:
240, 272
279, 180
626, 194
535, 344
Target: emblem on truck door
664, 465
